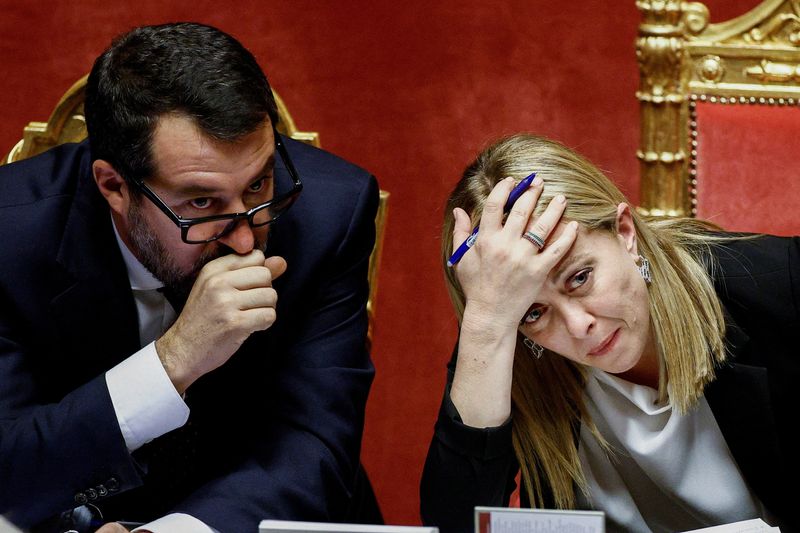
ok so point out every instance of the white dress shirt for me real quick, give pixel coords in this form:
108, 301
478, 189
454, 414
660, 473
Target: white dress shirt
146, 403
668, 472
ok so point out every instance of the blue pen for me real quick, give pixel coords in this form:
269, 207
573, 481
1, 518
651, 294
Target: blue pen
520, 188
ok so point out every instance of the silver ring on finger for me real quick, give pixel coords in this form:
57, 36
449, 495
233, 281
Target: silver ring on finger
534, 239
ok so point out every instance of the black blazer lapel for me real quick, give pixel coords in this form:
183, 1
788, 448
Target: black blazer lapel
739, 397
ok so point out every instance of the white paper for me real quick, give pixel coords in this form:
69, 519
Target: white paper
7, 527
745, 526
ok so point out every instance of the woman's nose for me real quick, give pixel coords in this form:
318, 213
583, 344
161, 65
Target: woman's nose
578, 320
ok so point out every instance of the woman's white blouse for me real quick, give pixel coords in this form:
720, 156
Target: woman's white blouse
670, 472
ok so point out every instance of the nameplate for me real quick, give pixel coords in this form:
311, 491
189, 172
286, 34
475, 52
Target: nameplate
505, 520
287, 526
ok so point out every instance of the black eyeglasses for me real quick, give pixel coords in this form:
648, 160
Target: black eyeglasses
206, 229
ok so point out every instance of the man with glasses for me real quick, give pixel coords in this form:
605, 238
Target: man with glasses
182, 305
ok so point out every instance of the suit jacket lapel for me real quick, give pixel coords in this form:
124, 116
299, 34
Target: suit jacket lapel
740, 399
95, 313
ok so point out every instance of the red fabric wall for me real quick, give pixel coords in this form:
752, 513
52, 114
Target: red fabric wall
411, 90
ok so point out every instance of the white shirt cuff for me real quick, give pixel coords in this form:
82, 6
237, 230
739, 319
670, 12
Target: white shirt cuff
176, 523
145, 400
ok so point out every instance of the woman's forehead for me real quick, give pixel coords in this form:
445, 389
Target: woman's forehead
588, 245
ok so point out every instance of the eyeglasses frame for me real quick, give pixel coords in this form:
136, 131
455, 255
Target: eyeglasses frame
185, 223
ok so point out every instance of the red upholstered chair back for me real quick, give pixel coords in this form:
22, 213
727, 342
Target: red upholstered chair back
748, 177
720, 115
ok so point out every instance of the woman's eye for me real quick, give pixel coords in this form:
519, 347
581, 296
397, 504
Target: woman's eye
200, 203
580, 278
257, 185
533, 315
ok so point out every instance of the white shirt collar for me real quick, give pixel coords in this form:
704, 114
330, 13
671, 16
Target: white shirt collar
643, 397
139, 277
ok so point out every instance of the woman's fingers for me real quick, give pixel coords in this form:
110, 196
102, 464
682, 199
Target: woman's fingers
462, 227
520, 213
543, 226
492, 217
555, 250
504, 272
506, 232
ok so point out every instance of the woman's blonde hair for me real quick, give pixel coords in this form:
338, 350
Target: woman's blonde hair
686, 316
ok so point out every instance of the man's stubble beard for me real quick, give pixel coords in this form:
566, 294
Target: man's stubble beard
155, 257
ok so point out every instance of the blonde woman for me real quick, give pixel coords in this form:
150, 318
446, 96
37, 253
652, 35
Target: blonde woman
642, 367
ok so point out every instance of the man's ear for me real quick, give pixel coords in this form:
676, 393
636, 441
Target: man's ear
626, 230
112, 186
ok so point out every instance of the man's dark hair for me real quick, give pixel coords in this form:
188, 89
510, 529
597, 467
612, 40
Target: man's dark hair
184, 68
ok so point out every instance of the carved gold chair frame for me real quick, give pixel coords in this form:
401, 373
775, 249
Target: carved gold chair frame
753, 59
68, 124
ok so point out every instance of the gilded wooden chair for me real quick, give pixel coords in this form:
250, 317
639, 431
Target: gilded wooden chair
720, 114
67, 124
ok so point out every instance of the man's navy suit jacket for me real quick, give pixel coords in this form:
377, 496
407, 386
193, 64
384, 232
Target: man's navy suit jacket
276, 430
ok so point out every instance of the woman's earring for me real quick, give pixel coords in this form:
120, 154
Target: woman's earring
536, 349
644, 270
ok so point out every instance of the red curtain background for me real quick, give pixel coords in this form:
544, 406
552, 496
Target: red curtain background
410, 90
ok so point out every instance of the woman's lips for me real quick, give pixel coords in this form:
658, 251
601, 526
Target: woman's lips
605, 346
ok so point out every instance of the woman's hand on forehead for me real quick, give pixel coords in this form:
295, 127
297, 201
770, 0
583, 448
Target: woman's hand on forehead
503, 273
